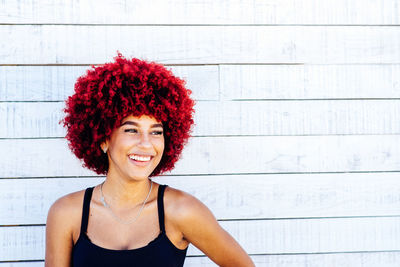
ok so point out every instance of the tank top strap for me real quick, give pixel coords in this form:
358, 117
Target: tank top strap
85, 209
160, 206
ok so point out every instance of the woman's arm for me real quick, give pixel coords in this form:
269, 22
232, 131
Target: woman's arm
200, 228
59, 240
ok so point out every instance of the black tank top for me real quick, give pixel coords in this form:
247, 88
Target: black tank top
159, 252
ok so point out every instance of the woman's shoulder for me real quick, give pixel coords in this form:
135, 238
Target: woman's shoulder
176, 199
69, 202
63, 224
182, 206
67, 210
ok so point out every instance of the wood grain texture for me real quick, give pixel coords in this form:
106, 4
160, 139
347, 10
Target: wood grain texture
255, 236
201, 12
370, 259
297, 148
56, 83
239, 82
68, 44
223, 155
22, 264
328, 117
26, 201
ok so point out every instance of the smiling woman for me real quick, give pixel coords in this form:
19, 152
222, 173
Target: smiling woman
135, 148
130, 120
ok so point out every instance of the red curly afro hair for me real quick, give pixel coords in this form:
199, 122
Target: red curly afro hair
108, 93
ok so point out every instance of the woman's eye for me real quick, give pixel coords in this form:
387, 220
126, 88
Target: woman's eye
131, 130
135, 131
158, 132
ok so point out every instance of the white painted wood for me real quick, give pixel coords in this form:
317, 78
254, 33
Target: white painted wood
335, 62
201, 12
256, 236
37, 119
40, 119
309, 81
26, 201
22, 264
373, 259
56, 83
66, 44
369, 259
222, 155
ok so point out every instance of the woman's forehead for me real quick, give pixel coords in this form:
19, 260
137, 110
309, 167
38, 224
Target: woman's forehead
142, 119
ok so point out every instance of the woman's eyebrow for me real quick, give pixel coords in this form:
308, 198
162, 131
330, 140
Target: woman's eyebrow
156, 125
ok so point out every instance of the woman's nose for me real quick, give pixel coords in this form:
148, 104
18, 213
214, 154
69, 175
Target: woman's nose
145, 140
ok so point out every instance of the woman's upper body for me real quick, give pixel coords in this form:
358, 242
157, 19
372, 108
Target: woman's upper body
187, 220
130, 120
159, 252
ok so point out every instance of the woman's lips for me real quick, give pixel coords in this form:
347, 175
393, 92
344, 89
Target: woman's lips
141, 163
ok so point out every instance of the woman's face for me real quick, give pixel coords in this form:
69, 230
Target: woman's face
135, 148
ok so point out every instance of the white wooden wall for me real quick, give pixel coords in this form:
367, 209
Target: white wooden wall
296, 148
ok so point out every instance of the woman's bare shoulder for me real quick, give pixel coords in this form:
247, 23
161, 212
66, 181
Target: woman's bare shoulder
69, 203
176, 199
66, 211
63, 227
199, 226
181, 206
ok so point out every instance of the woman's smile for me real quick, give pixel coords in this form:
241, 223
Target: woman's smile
136, 147
140, 160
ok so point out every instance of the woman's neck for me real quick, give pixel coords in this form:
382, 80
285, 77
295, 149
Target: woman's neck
121, 193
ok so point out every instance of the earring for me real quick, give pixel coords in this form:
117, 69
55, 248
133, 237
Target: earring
105, 150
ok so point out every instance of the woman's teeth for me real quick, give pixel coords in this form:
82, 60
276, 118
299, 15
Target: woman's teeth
140, 158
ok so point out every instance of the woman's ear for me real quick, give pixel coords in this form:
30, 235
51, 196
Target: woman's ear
104, 146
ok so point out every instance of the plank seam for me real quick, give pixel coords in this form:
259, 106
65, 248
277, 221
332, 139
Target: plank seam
253, 219
208, 174
62, 101
200, 25
242, 100
207, 64
89, 65
221, 136
309, 99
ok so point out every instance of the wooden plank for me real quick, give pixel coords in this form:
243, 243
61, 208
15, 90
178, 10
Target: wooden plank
24, 119
223, 155
26, 201
22, 264
203, 12
56, 83
309, 81
256, 236
369, 259
327, 117
386, 259
68, 44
